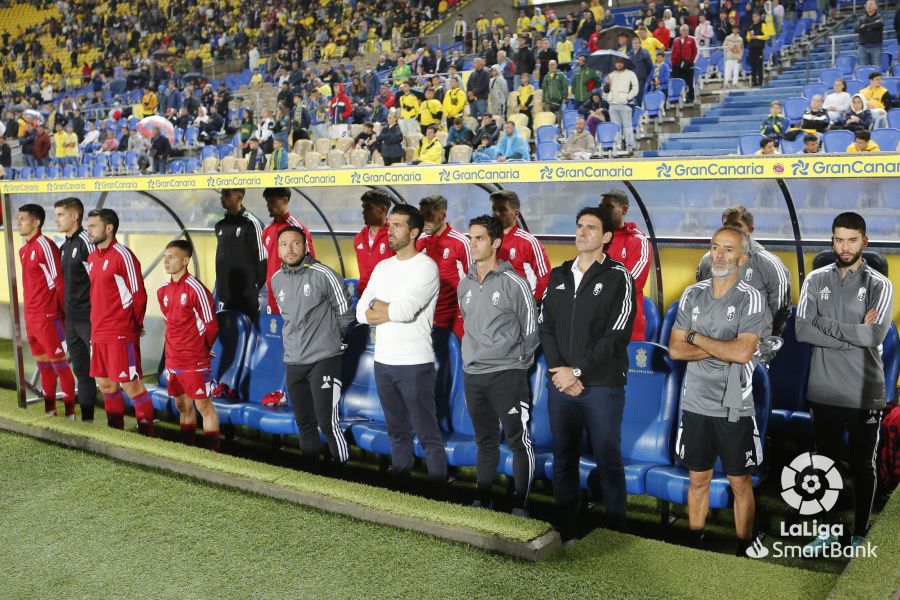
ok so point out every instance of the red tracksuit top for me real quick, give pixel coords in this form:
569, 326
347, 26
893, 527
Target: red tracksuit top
270, 241
42, 279
368, 256
528, 257
452, 253
118, 297
191, 325
631, 247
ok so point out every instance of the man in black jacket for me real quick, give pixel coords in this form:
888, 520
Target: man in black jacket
73, 254
870, 29
586, 319
241, 257
159, 151
477, 89
5, 153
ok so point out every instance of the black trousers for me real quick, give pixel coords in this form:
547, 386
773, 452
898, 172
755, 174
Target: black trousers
78, 341
315, 393
755, 59
687, 74
249, 305
863, 427
407, 399
494, 399
598, 409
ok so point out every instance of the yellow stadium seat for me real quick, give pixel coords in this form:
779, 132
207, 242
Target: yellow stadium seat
460, 154
544, 118
359, 157
312, 159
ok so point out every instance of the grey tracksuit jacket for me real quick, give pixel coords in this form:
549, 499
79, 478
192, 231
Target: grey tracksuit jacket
316, 310
500, 321
846, 369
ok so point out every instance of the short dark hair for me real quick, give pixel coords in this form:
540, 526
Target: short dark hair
739, 212
294, 229
765, 141
239, 191
36, 211
413, 217
277, 192
862, 134
71, 203
183, 245
507, 196
605, 218
849, 220
810, 137
379, 197
619, 196
435, 202
107, 216
875, 74
492, 224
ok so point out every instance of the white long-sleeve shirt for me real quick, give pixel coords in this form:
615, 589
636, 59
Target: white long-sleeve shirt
410, 287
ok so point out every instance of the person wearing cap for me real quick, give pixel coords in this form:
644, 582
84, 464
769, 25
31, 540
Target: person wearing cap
630, 247
584, 80
256, 158
499, 92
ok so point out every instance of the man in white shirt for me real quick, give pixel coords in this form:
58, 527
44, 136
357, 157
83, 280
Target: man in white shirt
399, 301
622, 89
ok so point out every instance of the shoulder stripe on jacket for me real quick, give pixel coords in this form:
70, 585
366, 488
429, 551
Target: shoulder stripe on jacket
702, 285
202, 298
336, 286
783, 277
756, 300
536, 249
48, 256
87, 241
531, 325
465, 244
645, 255
258, 229
803, 304
130, 268
887, 292
628, 302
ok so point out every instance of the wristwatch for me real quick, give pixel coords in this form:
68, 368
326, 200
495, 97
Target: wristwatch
372, 304
690, 337
576, 372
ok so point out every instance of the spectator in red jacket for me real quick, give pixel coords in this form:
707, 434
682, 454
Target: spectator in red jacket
662, 33
630, 247
684, 53
341, 107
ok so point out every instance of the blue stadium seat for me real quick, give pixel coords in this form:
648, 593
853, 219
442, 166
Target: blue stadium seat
855, 85
192, 164
225, 150
538, 424
83, 171
651, 316
895, 70
886, 138
846, 63
668, 322
862, 73
837, 140
828, 77
676, 87
794, 108
890, 354
40, 172
749, 143
68, 171
568, 119
208, 152
547, 150
653, 102
131, 162
792, 146
191, 136
352, 286
607, 134
547, 133
671, 483
176, 166
266, 373
26, 173
816, 88
788, 375
53, 172
116, 162
360, 401
892, 84
637, 114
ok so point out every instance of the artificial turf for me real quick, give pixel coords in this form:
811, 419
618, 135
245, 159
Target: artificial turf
81, 526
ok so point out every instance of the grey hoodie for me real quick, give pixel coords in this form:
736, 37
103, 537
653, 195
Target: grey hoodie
500, 321
316, 310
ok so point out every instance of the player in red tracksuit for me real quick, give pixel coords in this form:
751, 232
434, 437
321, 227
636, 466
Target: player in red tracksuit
524, 251
191, 330
451, 251
371, 243
118, 304
277, 200
42, 285
630, 247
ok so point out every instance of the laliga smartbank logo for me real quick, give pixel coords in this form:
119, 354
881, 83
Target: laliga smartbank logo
811, 485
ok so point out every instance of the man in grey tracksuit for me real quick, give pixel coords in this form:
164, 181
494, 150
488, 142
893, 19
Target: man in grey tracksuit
844, 312
316, 310
501, 336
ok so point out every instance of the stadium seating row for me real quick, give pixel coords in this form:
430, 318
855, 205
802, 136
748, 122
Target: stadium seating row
248, 361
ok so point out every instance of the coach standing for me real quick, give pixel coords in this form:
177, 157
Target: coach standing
316, 310
717, 331
399, 301
241, 256
74, 251
586, 321
498, 347
845, 312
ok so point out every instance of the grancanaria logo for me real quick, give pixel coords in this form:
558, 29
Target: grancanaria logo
546, 173
354, 178
279, 180
800, 168
663, 171
444, 175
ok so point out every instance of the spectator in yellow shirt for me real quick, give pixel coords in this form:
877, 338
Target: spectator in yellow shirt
430, 111
650, 43
598, 12
149, 102
429, 150
863, 143
497, 22
482, 26
564, 51
409, 110
526, 97
523, 23
454, 100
